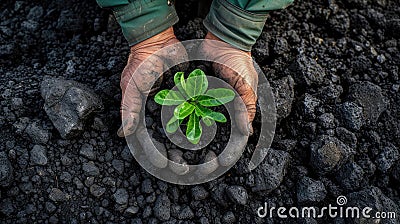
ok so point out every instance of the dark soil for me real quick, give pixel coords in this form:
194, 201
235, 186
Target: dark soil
334, 67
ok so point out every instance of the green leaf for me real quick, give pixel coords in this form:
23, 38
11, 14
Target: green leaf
207, 113
208, 121
183, 110
179, 80
216, 97
173, 125
193, 130
196, 83
169, 97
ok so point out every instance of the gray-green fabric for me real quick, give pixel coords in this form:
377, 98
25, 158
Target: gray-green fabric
141, 19
237, 22
240, 22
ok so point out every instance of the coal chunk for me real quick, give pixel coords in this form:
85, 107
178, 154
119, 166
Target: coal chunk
90, 169
370, 97
350, 176
237, 194
68, 104
97, 190
58, 195
269, 174
38, 155
284, 95
310, 190
121, 196
328, 154
6, 170
387, 158
162, 208
351, 115
199, 193
306, 71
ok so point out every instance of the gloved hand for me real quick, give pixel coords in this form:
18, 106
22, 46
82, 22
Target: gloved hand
136, 85
245, 82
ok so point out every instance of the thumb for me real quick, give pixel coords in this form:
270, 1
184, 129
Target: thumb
131, 105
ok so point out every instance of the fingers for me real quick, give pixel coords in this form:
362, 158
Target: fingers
246, 86
131, 104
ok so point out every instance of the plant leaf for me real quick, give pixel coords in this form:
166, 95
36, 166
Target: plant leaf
196, 83
179, 80
216, 97
207, 113
173, 125
193, 130
169, 97
183, 110
208, 121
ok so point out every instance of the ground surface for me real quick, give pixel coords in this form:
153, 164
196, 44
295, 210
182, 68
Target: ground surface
334, 66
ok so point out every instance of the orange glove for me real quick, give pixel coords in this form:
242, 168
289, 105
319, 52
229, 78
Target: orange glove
139, 85
245, 83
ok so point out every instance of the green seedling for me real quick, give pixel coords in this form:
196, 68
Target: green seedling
193, 101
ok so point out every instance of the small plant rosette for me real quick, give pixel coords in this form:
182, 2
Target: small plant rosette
193, 101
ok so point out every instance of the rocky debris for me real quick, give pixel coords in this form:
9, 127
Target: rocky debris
339, 23
310, 105
87, 151
351, 115
350, 176
7, 207
118, 165
37, 134
327, 120
310, 190
97, 190
90, 169
68, 104
284, 95
38, 155
374, 198
186, 213
6, 170
306, 71
229, 218
237, 194
162, 208
50, 207
69, 21
269, 174
32, 130
121, 196
281, 46
131, 211
58, 195
199, 193
387, 157
330, 92
370, 97
328, 154
178, 164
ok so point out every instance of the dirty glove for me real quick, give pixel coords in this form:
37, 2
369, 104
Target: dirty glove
136, 84
245, 82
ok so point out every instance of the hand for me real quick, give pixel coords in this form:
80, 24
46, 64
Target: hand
232, 61
136, 84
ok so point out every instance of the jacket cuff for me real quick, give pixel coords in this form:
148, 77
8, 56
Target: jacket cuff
142, 19
236, 26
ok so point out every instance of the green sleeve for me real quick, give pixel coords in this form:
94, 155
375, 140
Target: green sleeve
141, 19
240, 22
